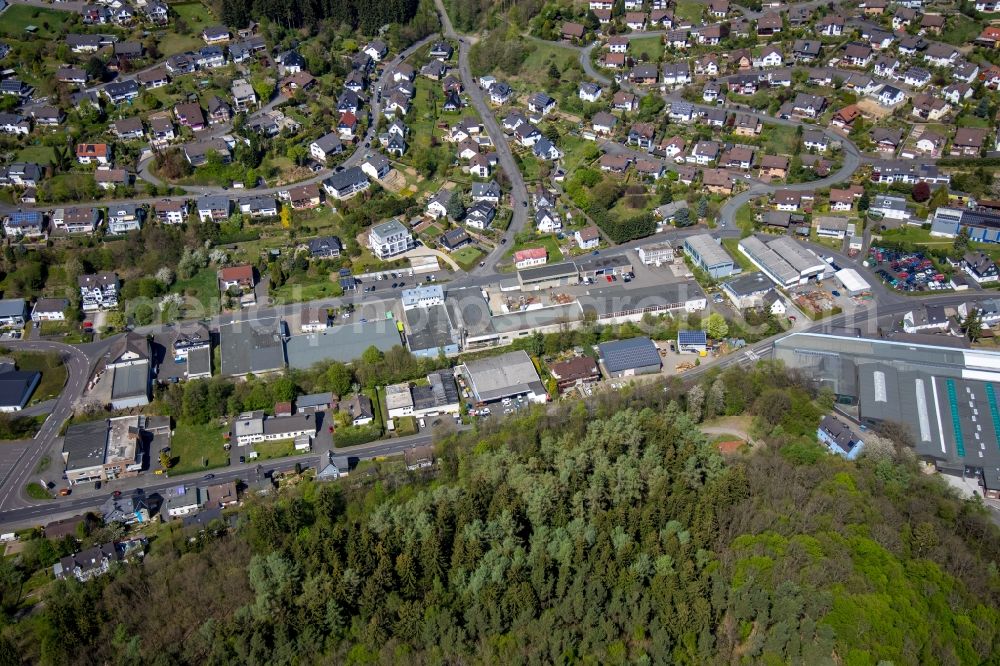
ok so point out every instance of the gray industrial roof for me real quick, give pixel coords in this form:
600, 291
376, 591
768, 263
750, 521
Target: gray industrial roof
952, 419
631, 354
609, 301
748, 284
428, 328
17, 385
769, 259
84, 444
130, 381
341, 343
199, 361
548, 272
441, 391
501, 376
470, 312
251, 346
709, 249
12, 307
519, 321
313, 400
602, 263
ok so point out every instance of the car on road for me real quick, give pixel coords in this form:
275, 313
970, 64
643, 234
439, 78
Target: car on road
524, 204
339, 168
835, 292
97, 485
402, 284
596, 252
208, 477
482, 263
243, 459
503, 241
116, 494
65, 491
395, 284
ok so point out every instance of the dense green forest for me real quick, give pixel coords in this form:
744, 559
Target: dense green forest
608, 532
368, 16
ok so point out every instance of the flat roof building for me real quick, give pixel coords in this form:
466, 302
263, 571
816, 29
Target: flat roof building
252, 346
429, 331
505, 376
708, 254
944, 396
615, 305
550, 275
341, 343
782, 260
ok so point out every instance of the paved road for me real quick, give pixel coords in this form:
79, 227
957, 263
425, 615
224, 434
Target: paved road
85, 498
519, 192
14, 478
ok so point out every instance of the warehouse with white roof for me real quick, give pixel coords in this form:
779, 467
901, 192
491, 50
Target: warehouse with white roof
783, 260
852, 282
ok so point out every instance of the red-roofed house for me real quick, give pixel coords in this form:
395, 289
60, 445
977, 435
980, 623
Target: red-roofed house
533, 256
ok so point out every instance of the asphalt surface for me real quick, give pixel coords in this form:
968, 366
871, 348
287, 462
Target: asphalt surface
21, 459
518, 190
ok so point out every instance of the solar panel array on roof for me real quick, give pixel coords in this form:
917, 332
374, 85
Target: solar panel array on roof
631, 354
692, 337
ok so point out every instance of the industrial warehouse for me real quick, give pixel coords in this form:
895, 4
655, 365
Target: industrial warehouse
945, 396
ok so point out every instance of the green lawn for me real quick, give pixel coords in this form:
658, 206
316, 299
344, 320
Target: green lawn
53, 328
535, 68
578, 152
301, 292
36, 491
652, 47
201, 291
689, 9
468, 256
549, 242
960, 29
197, 448
732, 247
37, 154
778, 140
969, 120
279, 449
17, 17
744, 219
50, 365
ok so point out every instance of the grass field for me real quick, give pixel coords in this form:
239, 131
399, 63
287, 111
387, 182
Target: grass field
197, 448
53, 328
578, 152
732, 247
17, 17
36, 491
652, 47
535, 67
744, 219
468, 256
38, 154
960, 30
550, 243
299, 292
201, 291
969, 120
52, 368
690, 9
778, 140
270, 450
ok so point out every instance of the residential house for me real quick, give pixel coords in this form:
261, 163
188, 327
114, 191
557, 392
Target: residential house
93, 153
587, 238
171, 212
98, 291
214, 207
968, 142
326, 146
124, 217
389, 239
76, 220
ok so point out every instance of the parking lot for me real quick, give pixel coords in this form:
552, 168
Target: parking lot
906, 271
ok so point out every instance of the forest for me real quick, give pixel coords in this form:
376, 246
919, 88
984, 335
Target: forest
608, 532
366, 16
